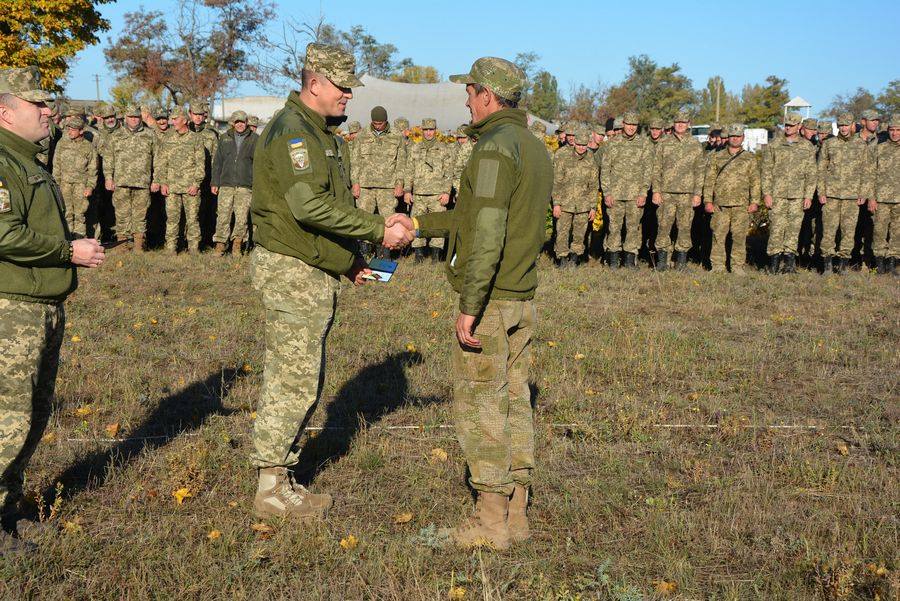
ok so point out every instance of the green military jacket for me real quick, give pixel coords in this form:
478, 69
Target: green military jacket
789, 168
75, 162
732, 180
182, 157
35, 247
429, 168
576, 180
625, 167
379, 159
844, 168
132, 157
496, 231
302, 206
678, 165
887, 173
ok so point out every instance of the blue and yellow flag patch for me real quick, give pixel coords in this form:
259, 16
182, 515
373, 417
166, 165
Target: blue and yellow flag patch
299, 154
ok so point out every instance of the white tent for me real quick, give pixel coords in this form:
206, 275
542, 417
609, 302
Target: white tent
443, 101
797, 102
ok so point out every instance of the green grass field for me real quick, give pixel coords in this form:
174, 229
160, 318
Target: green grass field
663, 467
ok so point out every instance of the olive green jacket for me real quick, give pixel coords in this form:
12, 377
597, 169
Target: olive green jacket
496, 231
302, 206
35, 247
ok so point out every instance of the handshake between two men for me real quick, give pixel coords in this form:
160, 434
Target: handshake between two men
399, 232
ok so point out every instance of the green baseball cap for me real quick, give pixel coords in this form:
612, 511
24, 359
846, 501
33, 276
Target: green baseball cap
429, 123
657, 123
682, 116
337, 65
198, 107
132, 110
582, 134
871, 115
894, 120
75, 122
503, 77
539, 127
733, 129
793, 119
400, 123
237, 116
824, 127
846, 119
24, 83
630, 118
810, 123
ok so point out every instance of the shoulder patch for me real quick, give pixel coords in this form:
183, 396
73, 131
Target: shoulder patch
299, 154
486, 186
5, 204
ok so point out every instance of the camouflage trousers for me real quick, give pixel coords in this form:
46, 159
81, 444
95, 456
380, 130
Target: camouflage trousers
572, 226
492, 410
30, 338
785, 220
886, 236
675, 209
76, 206
422, 205
234, 201
630, 213
839, 213
381, 198
299, 301
130, 206
176, 204
737, 221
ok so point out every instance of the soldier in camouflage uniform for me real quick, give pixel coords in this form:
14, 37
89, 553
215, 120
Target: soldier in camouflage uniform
823, 132
106, 127
75, 170
677, 184
161, 120
731, 190
198, 110
252, 123
576, 181
130, 164
428, 181
843, 172
306, 228
539, 130
788, 185
353, 129
625, 170
462, 150
884, 201
378, 164
868, 133
232, 182
37, 273
180, 177
808, 130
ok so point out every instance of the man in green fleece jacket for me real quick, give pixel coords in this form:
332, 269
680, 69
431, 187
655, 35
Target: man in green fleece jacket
37, 272
494, 237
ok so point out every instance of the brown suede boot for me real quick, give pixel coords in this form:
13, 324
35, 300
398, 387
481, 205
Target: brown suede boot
278, 496
517, 520
236, 248
487, 528
139, 243
220, 248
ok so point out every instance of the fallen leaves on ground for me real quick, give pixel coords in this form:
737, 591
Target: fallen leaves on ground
666, 587
181, 494
456, 593
112, 429
84, 411
214, 534
349, 543
437, 455
403, 518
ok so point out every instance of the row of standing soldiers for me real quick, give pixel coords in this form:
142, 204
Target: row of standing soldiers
136, 170
802, 169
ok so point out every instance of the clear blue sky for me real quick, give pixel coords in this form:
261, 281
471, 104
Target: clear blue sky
822, 48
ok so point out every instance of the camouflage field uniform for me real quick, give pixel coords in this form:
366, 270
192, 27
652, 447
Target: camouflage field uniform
210, 137
182, 167
789, 177
429, 173
625, 169
843, 173
576, 181
461, 153
75, 170
130, 161
677, 176
886, 237
732, 183
378, 162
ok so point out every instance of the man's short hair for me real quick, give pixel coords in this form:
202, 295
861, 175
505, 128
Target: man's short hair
8, 100
509, 103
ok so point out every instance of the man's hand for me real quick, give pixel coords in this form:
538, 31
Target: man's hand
355, 190
193, 190
87, 252
397, 236
154, 188
407, 198
709, 207
557, 211
465, 328
357, 271
214, 190
110, 185
398, 191
400, 218
641, 200
88, 192
444, 199
872, 205
592, 214
164, 189
695, 200
753, 207
807, 202
768, 201
822, 199
657, 198
860, 201
609, 200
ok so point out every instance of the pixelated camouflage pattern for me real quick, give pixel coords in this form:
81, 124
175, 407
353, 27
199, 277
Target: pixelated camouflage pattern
131, 157
232, 201
576, 181
736, 220
571, 229
503, 77
732, 181
844, 168
334, 63
182, 160
789, 169
626, 167
461, 154
24, 83
678, 165
429, 168
378, 159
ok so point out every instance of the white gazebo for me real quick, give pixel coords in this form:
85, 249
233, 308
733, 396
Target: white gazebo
797, 103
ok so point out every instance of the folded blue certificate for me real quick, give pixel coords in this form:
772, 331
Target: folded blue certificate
382, 269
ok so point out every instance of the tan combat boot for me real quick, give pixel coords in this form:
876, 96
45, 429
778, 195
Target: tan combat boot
139, 243
517, 520
278, 496
487, 528
235, 248
220, 248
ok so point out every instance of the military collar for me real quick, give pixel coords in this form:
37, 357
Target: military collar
298, 106
429, 143
517, 116
19, 145
375, 132
582, 155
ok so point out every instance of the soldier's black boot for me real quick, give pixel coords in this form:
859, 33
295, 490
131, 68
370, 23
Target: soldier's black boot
613, 257
662, 260
419, 254
774, 263
790, 263
680, 260
630, 260
827, 262
842, 265
891, 266
880, 265
435, 255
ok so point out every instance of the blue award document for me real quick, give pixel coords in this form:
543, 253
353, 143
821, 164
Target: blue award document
382, 270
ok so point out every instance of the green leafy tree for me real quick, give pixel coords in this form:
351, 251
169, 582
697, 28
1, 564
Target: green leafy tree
410, 73
855, 103
763, 106
650, 89
729, 104
545, 100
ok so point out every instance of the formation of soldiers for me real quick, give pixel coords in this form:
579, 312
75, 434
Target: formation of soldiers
123, 173
843, 187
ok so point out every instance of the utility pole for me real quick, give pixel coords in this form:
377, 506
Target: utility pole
97, 82
718, 93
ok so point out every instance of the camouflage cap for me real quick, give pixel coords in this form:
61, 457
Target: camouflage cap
70, 110
539, 127
871, 115
598, 127
569, 127
733, 129
894, 120
198, 107
252, 120
24, 83
793, 119
106, 110
846, 119
132, 110
617, 123
178, 112
75, 122
503, 77
461, 132
682, 116
429, 123
160, 112
334, 63
631, 118
237, 116
810, 123
401, 123
657, 123
354, 126
582, 134
824, 127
